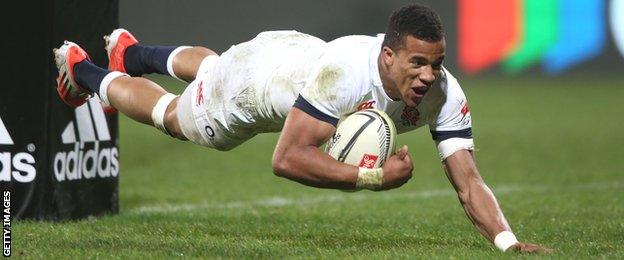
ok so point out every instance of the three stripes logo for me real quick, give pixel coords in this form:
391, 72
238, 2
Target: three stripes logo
5, 138
93, 154
18, 166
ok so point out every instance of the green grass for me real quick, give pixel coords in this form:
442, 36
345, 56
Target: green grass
551, 150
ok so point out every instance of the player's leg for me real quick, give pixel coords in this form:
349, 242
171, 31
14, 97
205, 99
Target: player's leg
136, 97
127, 55
187, 62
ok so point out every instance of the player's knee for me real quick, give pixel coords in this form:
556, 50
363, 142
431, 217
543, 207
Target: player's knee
171, 121
175, 131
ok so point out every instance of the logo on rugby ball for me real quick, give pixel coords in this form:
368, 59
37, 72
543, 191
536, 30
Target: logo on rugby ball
368, 161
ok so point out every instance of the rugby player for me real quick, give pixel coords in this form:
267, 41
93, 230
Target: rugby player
301, 85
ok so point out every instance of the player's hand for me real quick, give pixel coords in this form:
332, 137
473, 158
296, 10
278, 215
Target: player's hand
397, 169
529, 248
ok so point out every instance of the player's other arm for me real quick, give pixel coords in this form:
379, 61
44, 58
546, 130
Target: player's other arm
480, 204
452, 132
298, 158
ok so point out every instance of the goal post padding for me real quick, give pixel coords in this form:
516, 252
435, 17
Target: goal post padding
58, 163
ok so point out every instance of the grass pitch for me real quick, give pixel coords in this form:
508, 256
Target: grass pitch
550, 149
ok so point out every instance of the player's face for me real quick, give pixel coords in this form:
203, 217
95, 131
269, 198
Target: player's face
414, 68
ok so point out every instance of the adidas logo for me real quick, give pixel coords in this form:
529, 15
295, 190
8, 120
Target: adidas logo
5, 138
19, 166
91, 124
90, 157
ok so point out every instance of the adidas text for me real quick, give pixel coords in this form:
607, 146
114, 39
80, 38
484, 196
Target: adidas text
19, 166
81, 163
93, 154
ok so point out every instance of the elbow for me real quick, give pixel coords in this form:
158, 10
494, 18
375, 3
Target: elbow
286, 162
280, 165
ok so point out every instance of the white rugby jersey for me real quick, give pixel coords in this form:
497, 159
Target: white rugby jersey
266, 76
346, 79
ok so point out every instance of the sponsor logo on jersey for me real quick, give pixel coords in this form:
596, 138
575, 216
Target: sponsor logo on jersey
92, 153
465, 112
366, 105
200, 94
410, 116
368, 161
19, 166
464, 108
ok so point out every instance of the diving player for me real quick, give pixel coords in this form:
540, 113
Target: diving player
301, 85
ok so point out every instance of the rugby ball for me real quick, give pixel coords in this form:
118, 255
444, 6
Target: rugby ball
366, 138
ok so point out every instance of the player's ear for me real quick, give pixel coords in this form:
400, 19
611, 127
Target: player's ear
387, 55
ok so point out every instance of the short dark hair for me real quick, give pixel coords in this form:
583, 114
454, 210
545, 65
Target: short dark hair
416, 20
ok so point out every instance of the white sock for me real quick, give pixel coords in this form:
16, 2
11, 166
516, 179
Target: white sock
106, 81
170, 60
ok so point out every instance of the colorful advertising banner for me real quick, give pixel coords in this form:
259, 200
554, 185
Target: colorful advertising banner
617, 23
519, 34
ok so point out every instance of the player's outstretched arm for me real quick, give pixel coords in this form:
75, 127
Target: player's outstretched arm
480, 204
297, 157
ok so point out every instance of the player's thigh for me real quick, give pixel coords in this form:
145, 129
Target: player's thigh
208, 119
192, 116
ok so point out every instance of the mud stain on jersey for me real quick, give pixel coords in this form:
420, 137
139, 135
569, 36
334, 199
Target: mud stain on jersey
216, 95
245, 100
281, 83
288, 83
288, 37
241, 52
326, 82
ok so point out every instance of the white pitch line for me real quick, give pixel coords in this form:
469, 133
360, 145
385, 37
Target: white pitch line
282, 202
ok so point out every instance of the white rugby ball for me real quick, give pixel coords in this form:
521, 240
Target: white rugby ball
366, 138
